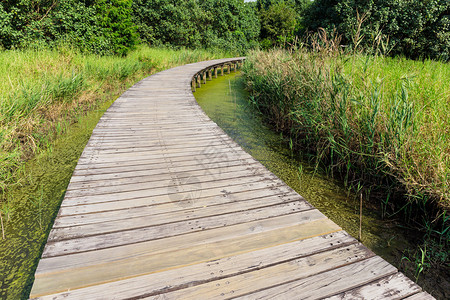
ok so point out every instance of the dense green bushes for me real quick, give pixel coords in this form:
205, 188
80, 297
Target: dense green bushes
114, 26
97, 26
416, 29
227, 24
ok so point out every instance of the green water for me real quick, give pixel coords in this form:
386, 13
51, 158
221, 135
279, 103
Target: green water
225, 101
35, 202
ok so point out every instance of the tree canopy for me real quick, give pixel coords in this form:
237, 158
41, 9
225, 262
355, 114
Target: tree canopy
416, 29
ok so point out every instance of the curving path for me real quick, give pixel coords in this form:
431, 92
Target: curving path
164, 205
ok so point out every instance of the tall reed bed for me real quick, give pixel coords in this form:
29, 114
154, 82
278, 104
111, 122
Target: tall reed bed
381, 123
43, 91
375, 120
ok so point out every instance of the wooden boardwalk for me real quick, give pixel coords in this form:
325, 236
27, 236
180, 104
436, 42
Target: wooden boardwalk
164, 205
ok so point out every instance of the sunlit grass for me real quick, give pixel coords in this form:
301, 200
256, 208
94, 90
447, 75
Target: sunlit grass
377, 120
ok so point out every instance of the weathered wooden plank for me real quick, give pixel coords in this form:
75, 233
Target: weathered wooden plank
204, 219
178, 278
171, 183
168, 256
119, 145
395, 286
208, 196
328, 283
223, 202
126, 130
201, 153
131, 236
266, 232
166, 191
293, 270
160, 153
155, 169
153, 132
249, 169
201, 159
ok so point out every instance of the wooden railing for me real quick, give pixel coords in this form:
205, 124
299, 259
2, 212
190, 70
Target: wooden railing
214, 69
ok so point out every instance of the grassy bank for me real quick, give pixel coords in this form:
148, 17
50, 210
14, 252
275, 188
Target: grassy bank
49, 103
380, 123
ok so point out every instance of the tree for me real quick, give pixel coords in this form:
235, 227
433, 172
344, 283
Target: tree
227, 24
415, 28
116, 21
99, 26
277, 24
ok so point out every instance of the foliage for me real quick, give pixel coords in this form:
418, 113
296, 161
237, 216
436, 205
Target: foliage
98, 26
165, 22
231, 25
417, 29
116, 21
278, 23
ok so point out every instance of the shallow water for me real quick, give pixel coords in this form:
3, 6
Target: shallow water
225, 101
36, 200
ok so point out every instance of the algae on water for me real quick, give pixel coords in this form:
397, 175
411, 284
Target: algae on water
35, 203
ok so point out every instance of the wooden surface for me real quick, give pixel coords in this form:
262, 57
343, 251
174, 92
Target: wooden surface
164, 205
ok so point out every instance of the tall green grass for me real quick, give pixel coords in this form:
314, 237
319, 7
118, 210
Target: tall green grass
381, 123
378, 120
41, 91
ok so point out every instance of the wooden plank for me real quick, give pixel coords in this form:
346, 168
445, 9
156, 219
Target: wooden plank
183, 200
273, 276
202, 220
168, 257
253, 234
124, 145
395, 286
202, 153
178, 278
132, 236
166, 190
327, 283
155, 169
224, 203
158, 164
168, 174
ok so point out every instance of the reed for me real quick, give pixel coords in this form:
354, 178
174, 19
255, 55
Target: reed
375, 120
381, 124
